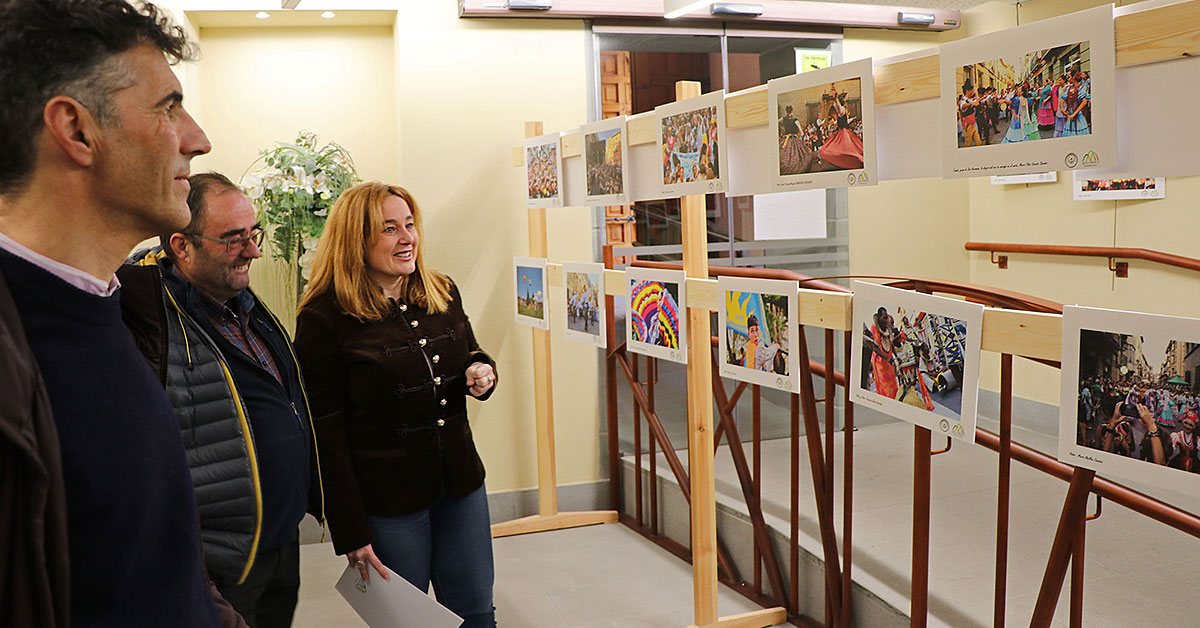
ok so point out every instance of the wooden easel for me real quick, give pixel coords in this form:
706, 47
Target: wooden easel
548, 517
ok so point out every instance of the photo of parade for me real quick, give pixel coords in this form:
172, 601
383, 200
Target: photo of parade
654, 313
821, 128
756, 331
541, 170
1114, 185
583, 302
531, 298
916, 358
1138, 398
603, 158
690, 151
1041, 95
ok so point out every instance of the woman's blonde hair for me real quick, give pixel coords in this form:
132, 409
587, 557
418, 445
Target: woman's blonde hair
354, 223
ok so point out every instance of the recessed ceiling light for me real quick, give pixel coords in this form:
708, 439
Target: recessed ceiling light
329, 14
262, 15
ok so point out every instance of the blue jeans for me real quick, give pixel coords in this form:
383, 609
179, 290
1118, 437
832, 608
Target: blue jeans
450, 544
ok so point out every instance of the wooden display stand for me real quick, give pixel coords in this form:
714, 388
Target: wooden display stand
548, 517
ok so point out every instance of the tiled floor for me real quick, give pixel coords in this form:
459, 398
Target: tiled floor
595, 577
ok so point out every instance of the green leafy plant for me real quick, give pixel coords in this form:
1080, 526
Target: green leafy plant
294, 187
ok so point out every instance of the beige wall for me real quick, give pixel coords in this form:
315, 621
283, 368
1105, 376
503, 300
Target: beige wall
938, 216
435, 104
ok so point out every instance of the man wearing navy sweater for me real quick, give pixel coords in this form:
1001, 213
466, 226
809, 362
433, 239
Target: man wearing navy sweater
98, 522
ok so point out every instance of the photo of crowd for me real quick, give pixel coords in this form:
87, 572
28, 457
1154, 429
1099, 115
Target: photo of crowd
756, 331
531, 296
1114, 185
603, 162
541, 171
583, 302
916, 358
690, 151
821, 128
654, 313
1139, 398
1041, 95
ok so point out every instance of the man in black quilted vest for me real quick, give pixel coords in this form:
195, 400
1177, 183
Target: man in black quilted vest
235, 385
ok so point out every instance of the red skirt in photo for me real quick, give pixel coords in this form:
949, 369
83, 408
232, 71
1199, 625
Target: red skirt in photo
843, 149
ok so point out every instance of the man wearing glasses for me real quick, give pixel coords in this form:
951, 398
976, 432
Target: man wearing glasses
231, 375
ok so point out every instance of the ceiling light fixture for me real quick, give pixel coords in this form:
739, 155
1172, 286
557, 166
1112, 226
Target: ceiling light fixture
262, 15
329, 15
678, 8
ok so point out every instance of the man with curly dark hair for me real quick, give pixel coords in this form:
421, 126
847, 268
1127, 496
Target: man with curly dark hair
98, 521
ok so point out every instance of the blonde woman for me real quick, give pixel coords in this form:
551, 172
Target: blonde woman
389, 358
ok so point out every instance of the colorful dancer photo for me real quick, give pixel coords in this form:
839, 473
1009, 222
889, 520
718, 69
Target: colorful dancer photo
821, 128
759, 323
584, 313
543, 172
690, 146
656, 313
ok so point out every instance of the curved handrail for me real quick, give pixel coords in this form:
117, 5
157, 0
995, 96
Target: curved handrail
1149, 255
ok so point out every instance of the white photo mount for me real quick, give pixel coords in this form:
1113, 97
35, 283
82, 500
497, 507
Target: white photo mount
529, 278
544, 153
1037, 177
847, 76
647, 304
936, 322
1151, 330
593, 275
1096, 149
712, 108
742, 297
612, 132
1144, 188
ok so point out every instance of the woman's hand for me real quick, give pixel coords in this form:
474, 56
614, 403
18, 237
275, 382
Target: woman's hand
480, 378
364, 556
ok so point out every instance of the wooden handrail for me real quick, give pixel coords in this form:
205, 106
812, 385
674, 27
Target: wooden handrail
1110, 252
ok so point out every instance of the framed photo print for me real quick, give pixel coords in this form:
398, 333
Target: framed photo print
584, 313
605, 147
1126, 189
824, 124
657, 313
916, 357
543, 171
1030, 99
1131, 396
530, 276
758, 323
691, 140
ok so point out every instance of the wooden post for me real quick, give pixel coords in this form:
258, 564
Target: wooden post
700, 423
548, 517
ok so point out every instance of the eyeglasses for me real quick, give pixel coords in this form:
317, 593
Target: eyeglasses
234, 245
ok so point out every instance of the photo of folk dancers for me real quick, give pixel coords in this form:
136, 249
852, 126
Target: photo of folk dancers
654, 313
916, 358
541, 171
1117, 185
690, 150
583, 303
531, 295
603, 162
821, 128
756, 331
1040, 95
1139, 398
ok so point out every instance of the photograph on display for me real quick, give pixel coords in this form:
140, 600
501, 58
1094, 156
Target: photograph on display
1131, 395
1041, 95
916, 357
530, 273
758, 323
584, 312
657, 316
691, 140
1037, 177
543, 171
1129, 189
824, 128
1030, 99
605, 145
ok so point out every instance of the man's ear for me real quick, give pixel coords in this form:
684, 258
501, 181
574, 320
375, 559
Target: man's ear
72, 128
179, 246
